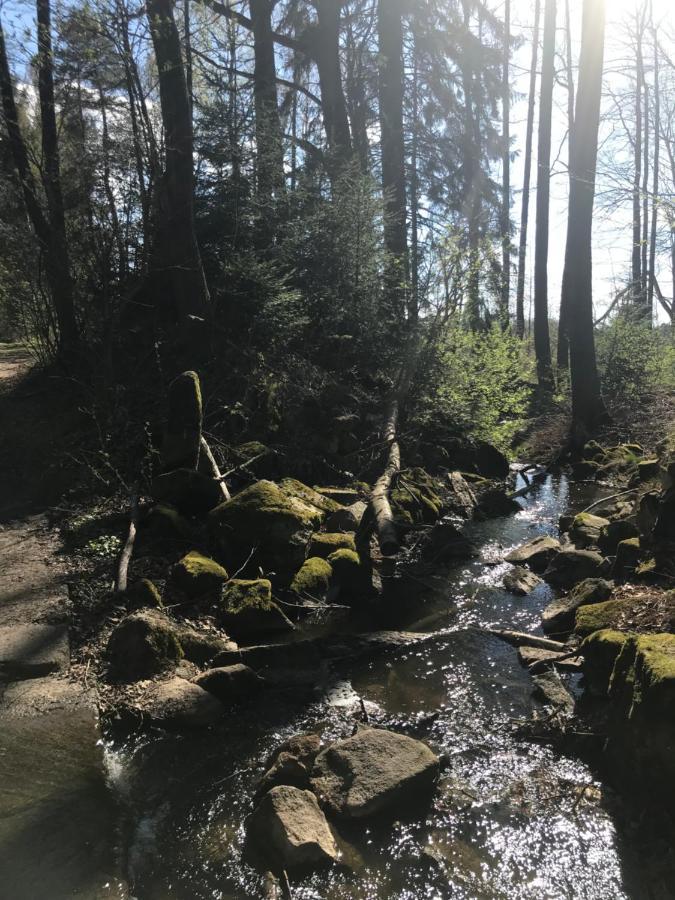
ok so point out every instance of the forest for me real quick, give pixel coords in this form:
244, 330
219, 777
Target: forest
337, 459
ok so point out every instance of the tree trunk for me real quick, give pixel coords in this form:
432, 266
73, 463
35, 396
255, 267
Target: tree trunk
327, 57
588, 409
655, 185
525, 208
636, 266
563, 354
542, 346
179, 283
270, 155
644, 241
506, 172
390, 62
472, 184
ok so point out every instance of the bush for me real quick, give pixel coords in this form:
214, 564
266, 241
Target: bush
634, 360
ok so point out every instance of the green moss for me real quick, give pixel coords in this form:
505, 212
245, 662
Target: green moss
587, 528
599, 616
239, 594
196, 575
143, 644
143, 594
313, 578
295, 488
323, 544
593, 451
414, 499
348, 573
628, 556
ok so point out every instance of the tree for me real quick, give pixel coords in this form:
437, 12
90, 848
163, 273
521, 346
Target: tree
506, 173
588, 409
270, 153
563, 349
327, 56
525, 204
49, 228
542, 345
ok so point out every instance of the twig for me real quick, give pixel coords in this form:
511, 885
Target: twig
607, 499
366, 718
244, 465
213, 466
127, 550
522, 639
244, 564
286, 886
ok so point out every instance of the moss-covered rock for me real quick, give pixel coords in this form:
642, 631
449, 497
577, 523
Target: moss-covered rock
143, 644
648, 469
620, 461
586, 529
313, 578
190, 492
257, 458
348, 572
629, 554
143, 594
414, 499
600, 651
198, 575
266, 518
247, 609
615, 532
593, 451
346, 519
181, 445
559, 616
323, 544
599, 616
163, 529
298, 490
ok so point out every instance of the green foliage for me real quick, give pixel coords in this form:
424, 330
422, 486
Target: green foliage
480, 384
634, 360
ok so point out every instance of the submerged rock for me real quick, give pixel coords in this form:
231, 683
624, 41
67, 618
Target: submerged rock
248, 610
558, 617
537, 553
197, 575
571, 566
264, 517
180, 704
375, 773
521, 581
290, 832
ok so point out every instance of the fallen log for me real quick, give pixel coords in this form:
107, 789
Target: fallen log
379, 498
128, 549
522, 639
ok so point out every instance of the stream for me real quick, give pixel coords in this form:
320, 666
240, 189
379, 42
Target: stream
511, 819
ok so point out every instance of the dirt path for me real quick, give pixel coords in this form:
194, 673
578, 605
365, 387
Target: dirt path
57, 818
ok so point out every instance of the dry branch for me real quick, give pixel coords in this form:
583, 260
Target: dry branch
522, 639
128, 549
213, 467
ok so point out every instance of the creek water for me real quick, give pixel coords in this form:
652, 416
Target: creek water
511, 819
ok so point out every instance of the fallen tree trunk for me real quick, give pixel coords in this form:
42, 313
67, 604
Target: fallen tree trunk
211, 464
522, 639
379, 498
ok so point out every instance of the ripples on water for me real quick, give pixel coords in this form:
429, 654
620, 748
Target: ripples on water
511, 819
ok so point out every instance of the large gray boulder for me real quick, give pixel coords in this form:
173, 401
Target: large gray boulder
520, 581
558, 617
570, 567
229, 683
180, 704
537, 553
374, 773
288, 830
586, 530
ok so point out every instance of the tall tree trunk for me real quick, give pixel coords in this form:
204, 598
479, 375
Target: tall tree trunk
473, 186
357, 105
563, 351
180, 286
414, 188
506, 172
525, 207
327, 57
644, 241
588, 409
542, 345
270, 153
390, 62
636, 266
50, 229
655, 184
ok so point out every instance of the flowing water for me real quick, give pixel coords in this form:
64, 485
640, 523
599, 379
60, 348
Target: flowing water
511, 819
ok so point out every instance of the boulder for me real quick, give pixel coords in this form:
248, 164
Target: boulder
538, 659
142, 594
664, 527
615, 532
446, 544
313, 578
299, 491
161, 529
521, 581
264, 517
479, 457
348, 572
190, 492
586, 530
291, 762
415, 499
648, 469
347, 518
247, 610
180, 704
323, 544
289, 831
537, 553
497, 502
648, 513
181, 444
375, 773
304, 747
197, 575
629, 555
461, 499
572, 566
559, 616
148, 642
229, 684
600, 651
549, 689
600, 616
